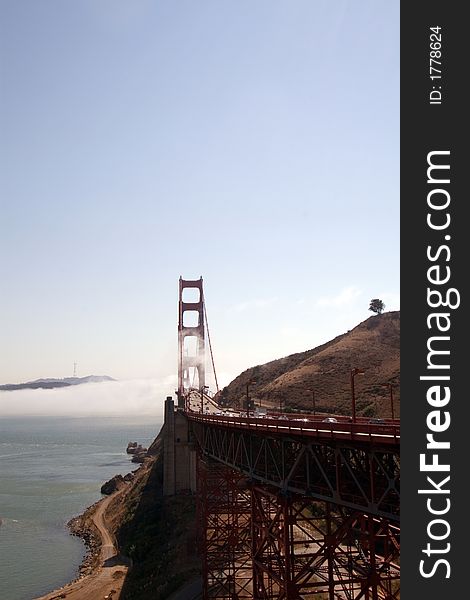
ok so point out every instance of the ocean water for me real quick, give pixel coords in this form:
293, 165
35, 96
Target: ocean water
51, 469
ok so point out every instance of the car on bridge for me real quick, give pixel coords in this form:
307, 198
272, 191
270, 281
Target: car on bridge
330, 420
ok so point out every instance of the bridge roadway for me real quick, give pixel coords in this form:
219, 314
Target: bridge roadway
362, 431
354, 465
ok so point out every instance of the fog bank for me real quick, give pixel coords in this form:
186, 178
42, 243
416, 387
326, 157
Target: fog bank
130, 397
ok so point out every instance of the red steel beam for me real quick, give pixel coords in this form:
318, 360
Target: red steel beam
260, 544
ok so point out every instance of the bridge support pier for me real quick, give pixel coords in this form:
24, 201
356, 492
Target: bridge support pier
259, 543
179, 453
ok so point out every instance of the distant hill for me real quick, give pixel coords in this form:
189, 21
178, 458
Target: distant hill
374, 346
55, 383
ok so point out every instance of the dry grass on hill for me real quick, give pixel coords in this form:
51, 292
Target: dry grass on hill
374, 346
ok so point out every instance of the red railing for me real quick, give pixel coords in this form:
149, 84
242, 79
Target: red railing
387, 432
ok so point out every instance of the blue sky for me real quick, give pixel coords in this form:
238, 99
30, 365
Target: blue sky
254, 143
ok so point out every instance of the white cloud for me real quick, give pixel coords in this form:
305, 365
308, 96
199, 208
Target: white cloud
345, 297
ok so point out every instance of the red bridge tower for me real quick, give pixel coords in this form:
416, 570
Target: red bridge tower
191, 339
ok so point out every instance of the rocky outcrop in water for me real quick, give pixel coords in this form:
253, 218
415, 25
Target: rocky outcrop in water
138, 451
112, 485
131, 446
135, 448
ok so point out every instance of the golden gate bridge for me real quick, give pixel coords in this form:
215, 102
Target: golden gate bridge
289, 506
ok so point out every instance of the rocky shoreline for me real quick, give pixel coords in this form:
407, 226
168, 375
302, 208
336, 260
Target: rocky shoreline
86, 526
82, 527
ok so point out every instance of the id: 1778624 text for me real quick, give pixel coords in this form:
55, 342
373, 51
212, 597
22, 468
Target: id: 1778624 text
435, 64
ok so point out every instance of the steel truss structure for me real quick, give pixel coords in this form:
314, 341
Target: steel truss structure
224, 511
361, 477
260, 542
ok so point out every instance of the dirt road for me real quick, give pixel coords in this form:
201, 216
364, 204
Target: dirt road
107, 580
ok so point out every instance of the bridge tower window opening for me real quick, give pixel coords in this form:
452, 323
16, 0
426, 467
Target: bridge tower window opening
191, 346
191, 318
190, 295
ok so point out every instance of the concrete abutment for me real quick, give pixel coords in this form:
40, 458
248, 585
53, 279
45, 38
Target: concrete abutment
179, 452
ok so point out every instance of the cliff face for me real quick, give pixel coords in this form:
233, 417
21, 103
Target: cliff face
158, 534
374, 346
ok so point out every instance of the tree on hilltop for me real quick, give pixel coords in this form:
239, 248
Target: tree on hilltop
377, 306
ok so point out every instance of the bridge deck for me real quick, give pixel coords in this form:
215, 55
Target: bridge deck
355, 465
360, 432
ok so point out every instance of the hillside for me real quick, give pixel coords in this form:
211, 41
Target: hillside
50, 383
374, 346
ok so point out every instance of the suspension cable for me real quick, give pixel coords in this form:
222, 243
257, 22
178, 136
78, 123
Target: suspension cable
210, 346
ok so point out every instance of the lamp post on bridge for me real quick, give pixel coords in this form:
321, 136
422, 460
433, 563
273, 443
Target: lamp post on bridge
313, 400
390, 386
354, 372
248, 396
202, 391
